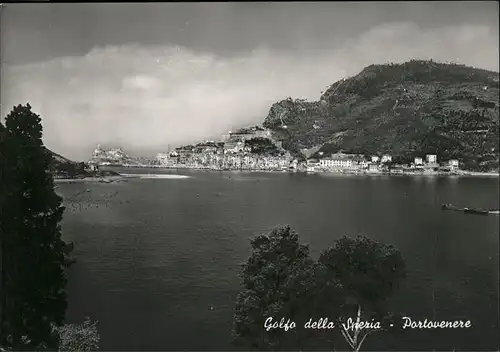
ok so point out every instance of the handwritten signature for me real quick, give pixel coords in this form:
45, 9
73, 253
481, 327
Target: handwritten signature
353, 325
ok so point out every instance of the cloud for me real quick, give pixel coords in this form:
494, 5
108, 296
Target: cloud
141, 82
145, 98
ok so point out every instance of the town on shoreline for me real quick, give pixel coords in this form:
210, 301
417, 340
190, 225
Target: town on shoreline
255, 149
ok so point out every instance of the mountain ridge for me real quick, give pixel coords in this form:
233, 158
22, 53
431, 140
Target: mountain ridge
406, 110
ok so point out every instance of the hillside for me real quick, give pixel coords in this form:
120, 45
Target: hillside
406, 110
116, 157
63, 167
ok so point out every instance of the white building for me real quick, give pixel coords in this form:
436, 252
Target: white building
453, 164
386, 158
312, 166
341, 160
336, 163
375, 159
338, 160
373, 168
431, 159
418, 161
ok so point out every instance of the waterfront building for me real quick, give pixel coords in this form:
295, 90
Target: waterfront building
375, 159
372, 167
453, 164
431, 159
342, 161
313, 165
359, 161
418, 161
335, 163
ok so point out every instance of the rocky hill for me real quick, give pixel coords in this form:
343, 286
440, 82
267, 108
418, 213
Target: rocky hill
61, 166
116, 157
406, 110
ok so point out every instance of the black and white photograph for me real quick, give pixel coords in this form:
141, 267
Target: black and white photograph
249, 176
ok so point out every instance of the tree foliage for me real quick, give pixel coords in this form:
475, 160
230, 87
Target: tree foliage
262, 146
353, 278
33, 255
275, 280
369, 272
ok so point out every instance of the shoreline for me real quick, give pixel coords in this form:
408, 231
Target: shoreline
104, 179
123, 177
479, 174
461, 173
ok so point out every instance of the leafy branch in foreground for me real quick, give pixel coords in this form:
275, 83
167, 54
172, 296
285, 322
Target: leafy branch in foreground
355, 277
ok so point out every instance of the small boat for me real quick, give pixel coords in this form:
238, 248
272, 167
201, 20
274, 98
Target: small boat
465, 210
476, 211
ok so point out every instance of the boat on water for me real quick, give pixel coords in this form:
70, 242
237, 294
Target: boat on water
466, 210
476, 211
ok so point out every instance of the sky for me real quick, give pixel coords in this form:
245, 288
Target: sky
148, 76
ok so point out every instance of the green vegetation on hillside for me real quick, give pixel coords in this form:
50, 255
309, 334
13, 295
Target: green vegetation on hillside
262, 146
61, 167
406, 110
